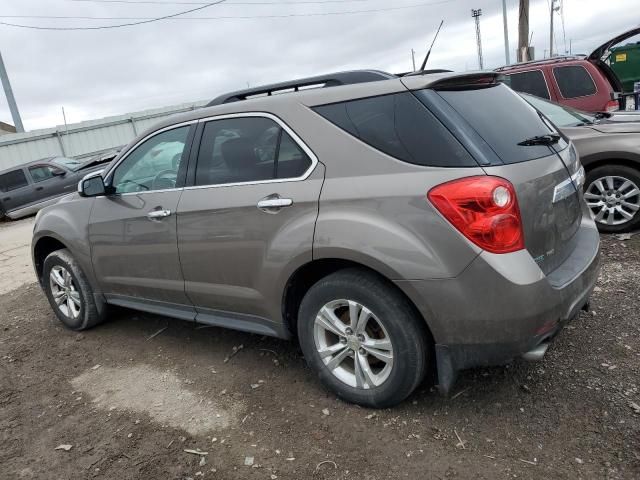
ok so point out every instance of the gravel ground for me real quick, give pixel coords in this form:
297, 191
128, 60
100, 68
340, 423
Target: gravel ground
127, 404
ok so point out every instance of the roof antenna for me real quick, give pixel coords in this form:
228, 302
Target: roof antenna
424, 63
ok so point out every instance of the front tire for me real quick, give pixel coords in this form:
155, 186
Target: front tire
69, 293
612, 193
363, 338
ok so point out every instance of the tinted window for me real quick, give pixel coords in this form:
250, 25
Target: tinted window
503, 119
558, 114
250, 149
529, 82
12, 180
153, 165
41, 172
400, 126
574, 81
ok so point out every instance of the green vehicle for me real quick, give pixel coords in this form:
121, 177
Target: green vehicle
625, 62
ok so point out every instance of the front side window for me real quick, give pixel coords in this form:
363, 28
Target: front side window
574, 81
40, 173
248, 149
532, 82
13, 180
152, 165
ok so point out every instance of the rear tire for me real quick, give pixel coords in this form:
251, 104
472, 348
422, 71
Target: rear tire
69, 292
601, 197
377, 360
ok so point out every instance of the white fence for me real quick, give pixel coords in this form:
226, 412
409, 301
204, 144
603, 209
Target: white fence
82, 139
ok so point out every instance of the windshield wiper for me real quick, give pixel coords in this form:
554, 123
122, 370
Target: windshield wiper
601, 115
548, 139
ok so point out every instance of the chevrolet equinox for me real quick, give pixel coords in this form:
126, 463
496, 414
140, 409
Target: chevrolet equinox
394, 225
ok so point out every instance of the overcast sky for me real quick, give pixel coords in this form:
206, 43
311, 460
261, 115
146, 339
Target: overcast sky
107, 72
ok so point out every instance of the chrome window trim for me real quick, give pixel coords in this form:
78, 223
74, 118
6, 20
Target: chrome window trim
142, 140
286, 128
544, 77
278, 120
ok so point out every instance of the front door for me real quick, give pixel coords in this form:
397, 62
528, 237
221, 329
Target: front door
49, 182
250, 214
132, 230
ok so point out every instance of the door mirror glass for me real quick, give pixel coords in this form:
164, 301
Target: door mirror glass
92, 186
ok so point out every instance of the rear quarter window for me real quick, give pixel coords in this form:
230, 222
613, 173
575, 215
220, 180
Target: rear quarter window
574, 81
13, 180
400, 126
532, 82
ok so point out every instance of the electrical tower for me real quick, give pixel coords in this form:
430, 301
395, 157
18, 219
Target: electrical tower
476, 15
13, 106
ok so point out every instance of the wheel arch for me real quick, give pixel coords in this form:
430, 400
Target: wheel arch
42, 247
302, 279
595, 161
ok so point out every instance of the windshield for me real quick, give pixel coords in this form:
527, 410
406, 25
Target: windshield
559, 115
67, 163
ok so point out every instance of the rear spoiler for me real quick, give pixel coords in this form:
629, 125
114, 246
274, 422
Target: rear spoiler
463, 81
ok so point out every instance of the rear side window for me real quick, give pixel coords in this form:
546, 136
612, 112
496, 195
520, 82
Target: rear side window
12, 181
503, 119
532, 82
574, 81
250, 149
400, 126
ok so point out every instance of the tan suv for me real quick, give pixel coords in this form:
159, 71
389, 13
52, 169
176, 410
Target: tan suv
393, 225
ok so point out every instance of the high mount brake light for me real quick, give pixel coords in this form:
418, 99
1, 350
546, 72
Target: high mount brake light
484, 209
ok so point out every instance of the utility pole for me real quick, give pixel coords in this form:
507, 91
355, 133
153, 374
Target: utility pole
506, 32
476, 15
413, 59
13, 106
554, 9
524, 54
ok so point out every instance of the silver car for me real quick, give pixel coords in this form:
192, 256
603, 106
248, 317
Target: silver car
394, 226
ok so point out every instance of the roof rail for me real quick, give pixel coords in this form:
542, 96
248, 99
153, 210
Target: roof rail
321, 81
559, 58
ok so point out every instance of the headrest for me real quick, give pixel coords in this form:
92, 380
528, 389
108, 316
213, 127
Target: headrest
239, 153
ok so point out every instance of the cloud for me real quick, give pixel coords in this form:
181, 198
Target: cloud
99, 73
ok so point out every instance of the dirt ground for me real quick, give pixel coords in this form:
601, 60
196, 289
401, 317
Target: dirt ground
127, 404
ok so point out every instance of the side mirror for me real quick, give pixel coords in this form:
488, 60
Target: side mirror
92, 186
58, 172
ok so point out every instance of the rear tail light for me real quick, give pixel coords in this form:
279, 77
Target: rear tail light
612, 106
484, 209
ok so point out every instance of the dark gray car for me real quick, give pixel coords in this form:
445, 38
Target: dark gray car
30, 187
395, 227
609, 148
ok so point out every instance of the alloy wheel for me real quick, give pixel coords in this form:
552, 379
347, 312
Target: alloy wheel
353, 344
614, 200
64, 292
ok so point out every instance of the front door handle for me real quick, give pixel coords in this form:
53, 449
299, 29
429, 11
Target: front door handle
39, 188
158, 214
273, 204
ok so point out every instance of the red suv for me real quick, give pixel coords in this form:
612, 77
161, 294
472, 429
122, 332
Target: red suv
583, 82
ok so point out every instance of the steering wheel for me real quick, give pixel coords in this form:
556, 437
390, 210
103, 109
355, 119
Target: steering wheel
163, 180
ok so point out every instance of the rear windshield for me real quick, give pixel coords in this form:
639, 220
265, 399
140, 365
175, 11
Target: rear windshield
503, 119
400, 126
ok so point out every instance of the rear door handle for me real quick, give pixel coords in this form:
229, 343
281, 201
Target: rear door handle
158, 214
274, 203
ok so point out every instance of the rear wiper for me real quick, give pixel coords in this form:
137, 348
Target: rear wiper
548, 139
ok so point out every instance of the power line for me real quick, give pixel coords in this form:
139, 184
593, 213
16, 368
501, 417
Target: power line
268, 2
104, 27
141, 20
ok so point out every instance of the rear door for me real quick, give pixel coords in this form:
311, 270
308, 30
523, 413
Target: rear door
550, 204
250, 213
15, 191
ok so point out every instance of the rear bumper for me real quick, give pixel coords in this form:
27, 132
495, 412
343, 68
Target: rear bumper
503, 306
